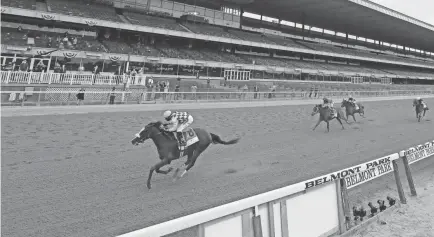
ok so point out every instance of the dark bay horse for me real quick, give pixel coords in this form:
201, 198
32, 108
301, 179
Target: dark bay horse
325, 115
168, 149
350, 109
420, 110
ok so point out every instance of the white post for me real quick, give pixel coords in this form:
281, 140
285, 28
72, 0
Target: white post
30, 78
7, 79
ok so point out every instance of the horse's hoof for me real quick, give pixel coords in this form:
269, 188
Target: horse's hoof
149, 186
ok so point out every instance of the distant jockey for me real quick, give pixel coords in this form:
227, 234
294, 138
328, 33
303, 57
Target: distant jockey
353, 101
420, 101
328, 103
179, 121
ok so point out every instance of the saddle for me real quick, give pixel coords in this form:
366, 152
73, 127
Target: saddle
332, 109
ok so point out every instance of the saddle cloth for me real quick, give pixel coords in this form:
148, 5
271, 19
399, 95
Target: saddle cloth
190, 138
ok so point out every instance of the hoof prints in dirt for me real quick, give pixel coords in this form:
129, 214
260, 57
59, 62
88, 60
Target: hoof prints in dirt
230, 171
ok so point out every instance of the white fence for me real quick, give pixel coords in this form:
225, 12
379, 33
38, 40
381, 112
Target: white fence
65, 96
17, 77
288, 211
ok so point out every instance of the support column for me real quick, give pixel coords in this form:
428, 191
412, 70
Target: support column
241, 16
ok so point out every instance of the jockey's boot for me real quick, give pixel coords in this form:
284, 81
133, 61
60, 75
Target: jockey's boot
181, 139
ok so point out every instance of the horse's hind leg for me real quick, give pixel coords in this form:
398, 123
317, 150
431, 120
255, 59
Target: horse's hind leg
191, 160
192, 157
354, 117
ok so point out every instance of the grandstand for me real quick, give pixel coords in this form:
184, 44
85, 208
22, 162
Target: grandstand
177, 39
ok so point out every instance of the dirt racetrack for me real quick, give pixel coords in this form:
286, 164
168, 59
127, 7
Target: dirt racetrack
78, 175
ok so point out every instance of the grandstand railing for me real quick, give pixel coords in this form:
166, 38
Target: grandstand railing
18, 77
287, 211
78, 78
66, 96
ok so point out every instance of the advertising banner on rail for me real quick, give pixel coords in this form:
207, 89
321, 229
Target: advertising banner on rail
358, 174
419, 152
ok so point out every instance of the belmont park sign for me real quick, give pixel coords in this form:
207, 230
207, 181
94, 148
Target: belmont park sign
419, 152
357, 174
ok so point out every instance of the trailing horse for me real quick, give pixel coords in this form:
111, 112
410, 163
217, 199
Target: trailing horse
325, 115
167, 145
420, 110
350, 109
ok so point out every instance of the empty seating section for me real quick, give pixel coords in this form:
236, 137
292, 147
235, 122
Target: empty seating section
285, 41
118, 47
13, 38
407, 73
353, 52
84, 8
223, 57
209, 30
25, 4
146, 50
195, 54
153, 21
268, 61
171, 52
251, 36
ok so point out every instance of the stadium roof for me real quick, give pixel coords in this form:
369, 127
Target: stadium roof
356, 17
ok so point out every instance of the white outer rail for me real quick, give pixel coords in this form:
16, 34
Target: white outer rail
205, 216
198, 218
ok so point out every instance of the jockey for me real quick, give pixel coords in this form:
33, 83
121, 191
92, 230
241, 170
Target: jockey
353, 102
179, 121
420, 100
328, 103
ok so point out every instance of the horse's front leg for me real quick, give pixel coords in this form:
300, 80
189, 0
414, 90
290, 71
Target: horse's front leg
319, 121
154, 168
354, 117
328, 126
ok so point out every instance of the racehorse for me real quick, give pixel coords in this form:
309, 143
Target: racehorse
350, 109
325, 115
168, 150
419, 110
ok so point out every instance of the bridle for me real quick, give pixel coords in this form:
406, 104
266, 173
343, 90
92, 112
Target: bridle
148, 135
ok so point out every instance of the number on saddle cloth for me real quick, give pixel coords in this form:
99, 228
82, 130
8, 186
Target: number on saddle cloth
190, 138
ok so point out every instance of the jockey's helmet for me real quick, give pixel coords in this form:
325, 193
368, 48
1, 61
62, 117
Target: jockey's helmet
167, 114
325, 99
418, 98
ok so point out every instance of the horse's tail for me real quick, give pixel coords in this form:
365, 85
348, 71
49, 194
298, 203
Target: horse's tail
217, 140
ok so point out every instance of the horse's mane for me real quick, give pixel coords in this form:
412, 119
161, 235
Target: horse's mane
154, 124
